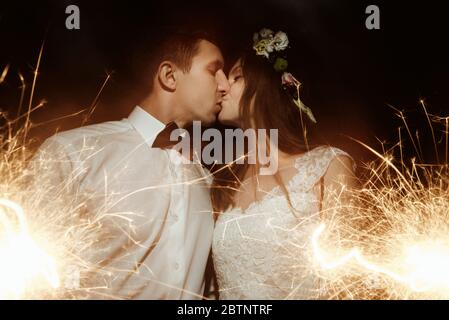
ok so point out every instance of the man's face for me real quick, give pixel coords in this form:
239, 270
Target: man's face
200, 90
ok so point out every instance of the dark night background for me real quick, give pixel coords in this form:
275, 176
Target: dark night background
350, 74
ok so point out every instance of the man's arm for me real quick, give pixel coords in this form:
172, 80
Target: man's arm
52, 166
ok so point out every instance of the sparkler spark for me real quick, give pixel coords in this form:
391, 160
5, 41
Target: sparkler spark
4, 74
393, 229
45, 240
428, 265
23, 261
56, 251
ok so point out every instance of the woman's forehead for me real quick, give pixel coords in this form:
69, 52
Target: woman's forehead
236, 66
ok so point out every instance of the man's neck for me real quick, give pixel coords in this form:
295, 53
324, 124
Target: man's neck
163, 111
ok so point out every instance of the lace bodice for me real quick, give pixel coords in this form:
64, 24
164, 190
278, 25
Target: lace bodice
263, 252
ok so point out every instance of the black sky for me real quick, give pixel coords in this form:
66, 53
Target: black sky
350, 74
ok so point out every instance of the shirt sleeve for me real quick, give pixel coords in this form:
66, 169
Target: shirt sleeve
52, 170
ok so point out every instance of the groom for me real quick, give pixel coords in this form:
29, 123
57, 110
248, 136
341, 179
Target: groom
159, 236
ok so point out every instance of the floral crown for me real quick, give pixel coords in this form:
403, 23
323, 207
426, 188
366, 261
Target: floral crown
272, 47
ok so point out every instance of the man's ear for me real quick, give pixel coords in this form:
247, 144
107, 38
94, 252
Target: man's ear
167, 75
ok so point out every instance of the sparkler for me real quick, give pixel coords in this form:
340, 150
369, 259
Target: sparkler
45, 240
4, 74
389, 238
49, 243
22, 259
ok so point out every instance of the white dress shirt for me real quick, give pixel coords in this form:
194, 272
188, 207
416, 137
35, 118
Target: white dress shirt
162, 252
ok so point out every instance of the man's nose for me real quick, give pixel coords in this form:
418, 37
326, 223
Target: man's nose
223, 83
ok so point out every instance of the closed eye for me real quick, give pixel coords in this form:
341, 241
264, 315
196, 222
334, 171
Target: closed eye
236, 78
236, 74
215, 66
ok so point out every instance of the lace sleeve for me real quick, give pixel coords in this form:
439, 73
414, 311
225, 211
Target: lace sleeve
313, 166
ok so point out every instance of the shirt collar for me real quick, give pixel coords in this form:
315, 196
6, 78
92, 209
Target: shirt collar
145, 124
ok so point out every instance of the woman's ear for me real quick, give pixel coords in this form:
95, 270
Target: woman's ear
167, 75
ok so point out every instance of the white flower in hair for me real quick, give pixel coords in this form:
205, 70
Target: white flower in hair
264, 47
280, 41
265, 33
269, 46
265, 42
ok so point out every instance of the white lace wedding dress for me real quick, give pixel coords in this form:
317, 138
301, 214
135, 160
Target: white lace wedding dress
264, 252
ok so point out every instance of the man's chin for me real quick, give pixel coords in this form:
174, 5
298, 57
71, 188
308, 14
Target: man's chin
221, 117
227, 122
209, 120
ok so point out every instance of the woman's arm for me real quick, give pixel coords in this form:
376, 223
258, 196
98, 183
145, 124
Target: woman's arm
336, 184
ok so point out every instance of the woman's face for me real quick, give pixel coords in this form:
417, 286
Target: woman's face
230, 114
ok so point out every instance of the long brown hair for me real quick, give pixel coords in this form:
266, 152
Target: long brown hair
264, 105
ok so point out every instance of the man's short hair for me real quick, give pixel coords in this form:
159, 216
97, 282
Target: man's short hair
179, 47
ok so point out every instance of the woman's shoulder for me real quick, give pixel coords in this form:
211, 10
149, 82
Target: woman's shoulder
321, 153
315, 163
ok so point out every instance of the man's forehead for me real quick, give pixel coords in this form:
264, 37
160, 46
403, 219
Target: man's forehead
208, 50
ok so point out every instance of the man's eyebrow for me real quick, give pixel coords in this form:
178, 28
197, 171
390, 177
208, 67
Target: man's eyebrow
217, 64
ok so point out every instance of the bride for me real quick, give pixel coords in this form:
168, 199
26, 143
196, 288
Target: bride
264, 222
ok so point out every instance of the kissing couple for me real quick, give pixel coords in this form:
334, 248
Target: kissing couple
255, 226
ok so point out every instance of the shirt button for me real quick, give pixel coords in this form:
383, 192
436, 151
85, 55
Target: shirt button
175, 218
176, 266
